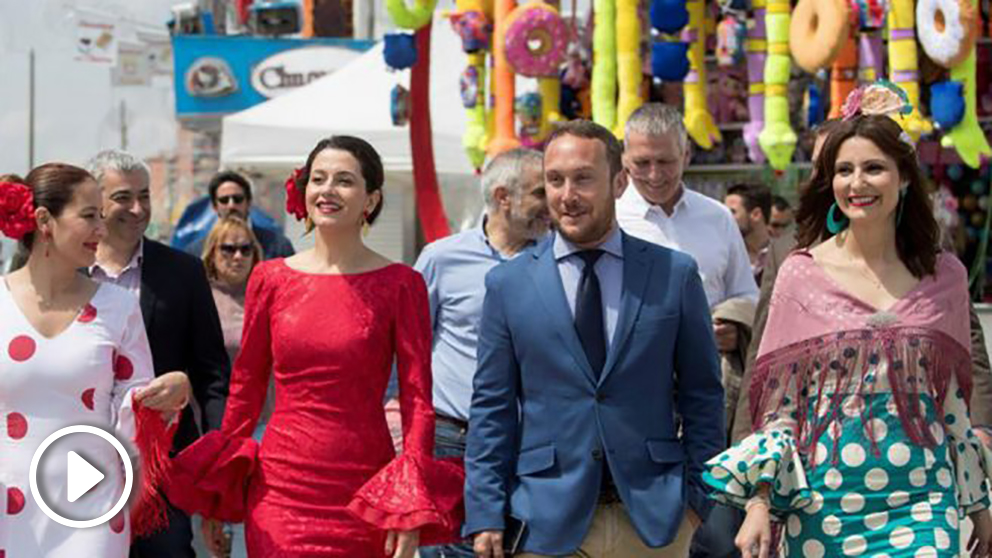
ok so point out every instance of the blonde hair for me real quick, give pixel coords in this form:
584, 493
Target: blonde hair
224, 226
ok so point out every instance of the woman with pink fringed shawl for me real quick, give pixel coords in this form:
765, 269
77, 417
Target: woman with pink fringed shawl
863, 445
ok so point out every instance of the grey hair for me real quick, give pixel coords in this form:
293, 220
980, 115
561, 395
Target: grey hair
119, 161
506, 170
656, 119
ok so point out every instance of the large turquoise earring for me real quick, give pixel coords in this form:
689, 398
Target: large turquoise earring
835, 225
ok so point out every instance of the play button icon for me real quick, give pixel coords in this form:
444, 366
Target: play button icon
70, 477
82, 476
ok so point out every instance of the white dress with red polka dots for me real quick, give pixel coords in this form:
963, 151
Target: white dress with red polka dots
84, 375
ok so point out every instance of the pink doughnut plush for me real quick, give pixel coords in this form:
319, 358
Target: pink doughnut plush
536, 39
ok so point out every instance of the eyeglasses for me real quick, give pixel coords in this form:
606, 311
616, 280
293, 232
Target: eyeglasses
233, 198
231, 249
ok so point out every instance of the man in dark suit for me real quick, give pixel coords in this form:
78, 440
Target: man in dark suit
179, 314
230, 194
574, 424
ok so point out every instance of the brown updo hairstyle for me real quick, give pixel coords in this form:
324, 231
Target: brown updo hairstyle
217, 234
917, 233
52, 185
368, 159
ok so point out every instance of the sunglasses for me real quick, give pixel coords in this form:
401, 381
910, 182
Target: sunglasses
231, 249
233, 198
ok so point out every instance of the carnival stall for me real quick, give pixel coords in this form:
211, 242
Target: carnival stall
753, 77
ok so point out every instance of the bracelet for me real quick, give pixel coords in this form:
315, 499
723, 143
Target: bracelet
759, 499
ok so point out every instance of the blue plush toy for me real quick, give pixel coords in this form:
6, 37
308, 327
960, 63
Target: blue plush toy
400, 50
669, 61
947, 103
669, 16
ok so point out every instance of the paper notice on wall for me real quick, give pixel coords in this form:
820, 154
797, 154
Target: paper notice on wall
133, 67
96, 41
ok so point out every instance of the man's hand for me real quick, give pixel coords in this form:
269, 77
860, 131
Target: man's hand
168, 393
488, 544
693, 518
726, 336
217, 541
980, 544
402, 544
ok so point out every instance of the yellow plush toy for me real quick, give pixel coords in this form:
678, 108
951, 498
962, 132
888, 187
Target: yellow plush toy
628, 62
698, 119
412, 18
604, 68
903, 65
777, 140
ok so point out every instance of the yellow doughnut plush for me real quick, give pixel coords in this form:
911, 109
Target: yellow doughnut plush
817, 32
946, 29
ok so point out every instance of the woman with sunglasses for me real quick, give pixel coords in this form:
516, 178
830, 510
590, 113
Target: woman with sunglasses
328, 324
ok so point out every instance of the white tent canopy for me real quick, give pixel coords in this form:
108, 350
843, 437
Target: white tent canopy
354, 100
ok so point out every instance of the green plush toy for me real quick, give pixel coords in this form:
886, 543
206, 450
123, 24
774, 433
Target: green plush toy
412, 18
967, 138
604, 68
777, 139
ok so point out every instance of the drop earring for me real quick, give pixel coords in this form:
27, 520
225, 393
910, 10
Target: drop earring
365, 224
835, 224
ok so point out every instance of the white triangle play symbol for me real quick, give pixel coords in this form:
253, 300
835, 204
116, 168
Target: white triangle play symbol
82, 476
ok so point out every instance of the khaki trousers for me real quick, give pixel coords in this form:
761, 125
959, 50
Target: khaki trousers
612, 535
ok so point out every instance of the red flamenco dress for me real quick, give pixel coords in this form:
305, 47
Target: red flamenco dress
325, 480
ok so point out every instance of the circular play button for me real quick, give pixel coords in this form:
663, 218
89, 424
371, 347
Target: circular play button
82, 475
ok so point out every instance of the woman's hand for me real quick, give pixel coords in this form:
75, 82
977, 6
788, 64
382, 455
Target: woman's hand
218, 544
980, 543
755, 532
402, 544
168, 393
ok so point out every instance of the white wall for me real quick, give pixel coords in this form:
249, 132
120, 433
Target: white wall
77, 108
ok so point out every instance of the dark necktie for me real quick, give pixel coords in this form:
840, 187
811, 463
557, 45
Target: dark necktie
589, 312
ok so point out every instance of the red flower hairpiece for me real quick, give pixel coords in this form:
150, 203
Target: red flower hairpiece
295, 205
16, 210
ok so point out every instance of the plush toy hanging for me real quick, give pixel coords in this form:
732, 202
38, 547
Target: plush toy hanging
777, 140
669, 58
536, 41
698, 119
817, 32
844, 73
411, 17
604, 68
967, 138
871, 17
628, 62
757, 46
473, 26
504, 88
903, 65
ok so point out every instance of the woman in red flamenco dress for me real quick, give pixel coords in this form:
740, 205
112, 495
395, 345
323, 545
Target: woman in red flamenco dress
328, 323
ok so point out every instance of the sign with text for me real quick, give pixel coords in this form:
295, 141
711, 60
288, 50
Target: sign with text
218, 75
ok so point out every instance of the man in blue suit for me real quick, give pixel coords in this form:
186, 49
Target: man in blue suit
575, 430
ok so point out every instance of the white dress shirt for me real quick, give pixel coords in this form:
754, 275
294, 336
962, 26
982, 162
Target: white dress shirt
701, 227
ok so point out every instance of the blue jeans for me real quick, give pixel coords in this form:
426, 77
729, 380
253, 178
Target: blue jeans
449, 441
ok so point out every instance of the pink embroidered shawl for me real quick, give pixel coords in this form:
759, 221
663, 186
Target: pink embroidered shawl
818, 335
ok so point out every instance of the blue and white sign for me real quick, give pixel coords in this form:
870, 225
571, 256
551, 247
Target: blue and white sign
217, 75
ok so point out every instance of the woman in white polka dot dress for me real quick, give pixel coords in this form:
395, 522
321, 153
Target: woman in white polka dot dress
71, 352
863, 444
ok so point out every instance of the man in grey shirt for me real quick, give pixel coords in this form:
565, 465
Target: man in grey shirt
455, 269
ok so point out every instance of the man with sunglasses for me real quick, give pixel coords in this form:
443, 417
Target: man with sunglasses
230, 194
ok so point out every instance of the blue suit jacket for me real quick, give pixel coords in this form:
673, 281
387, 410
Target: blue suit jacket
541, 425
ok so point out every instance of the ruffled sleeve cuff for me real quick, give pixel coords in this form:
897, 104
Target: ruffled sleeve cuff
763, 458
415, 492
211, 476
973, 465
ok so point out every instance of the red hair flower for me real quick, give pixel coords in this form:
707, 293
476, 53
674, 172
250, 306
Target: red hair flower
295, 205
16, 210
